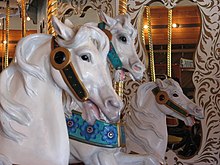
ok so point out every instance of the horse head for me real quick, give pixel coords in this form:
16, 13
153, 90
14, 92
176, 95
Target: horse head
88, 48
172, 101
123, 37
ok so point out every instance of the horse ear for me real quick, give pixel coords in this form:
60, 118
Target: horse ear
106, 19
61, 29
161, 83
128, 18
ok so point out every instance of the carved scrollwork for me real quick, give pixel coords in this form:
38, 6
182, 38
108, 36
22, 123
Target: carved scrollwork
80, 7
170, 3
206, 77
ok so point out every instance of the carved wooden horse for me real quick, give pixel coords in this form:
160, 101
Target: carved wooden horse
32, 122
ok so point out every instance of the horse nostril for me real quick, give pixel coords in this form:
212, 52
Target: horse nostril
113, 103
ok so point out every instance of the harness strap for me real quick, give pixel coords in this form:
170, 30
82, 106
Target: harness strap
100, 134
163, 98
112, 54
60, 60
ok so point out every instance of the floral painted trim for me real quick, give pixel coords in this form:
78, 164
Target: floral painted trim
100, 134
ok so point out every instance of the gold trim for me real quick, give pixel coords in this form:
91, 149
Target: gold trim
51, 10
159, 94
72, 90
7, 34
119, 135
169, 63
119, 88
64, 63
23, 17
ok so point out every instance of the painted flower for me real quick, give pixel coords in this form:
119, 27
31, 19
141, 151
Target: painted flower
72, 123
89, 131
110, 134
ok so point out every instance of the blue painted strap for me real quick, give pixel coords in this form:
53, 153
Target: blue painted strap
112, 55
100, 134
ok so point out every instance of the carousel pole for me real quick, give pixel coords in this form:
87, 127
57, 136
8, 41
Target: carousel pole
150, 41
7, 34
122, 7
119, 74
51, 10
169, 63
3, 39
23, 17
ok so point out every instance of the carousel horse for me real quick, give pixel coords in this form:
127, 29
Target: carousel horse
146, 129
122, 53
121, 34
97, 142
32, 122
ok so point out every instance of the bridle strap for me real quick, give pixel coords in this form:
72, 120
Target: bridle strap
112, 54
163, 98
60, 60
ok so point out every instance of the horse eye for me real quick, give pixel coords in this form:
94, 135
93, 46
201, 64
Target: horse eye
175, 95
123, 39
85, 58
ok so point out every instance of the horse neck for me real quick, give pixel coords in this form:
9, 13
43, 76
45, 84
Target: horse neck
145, 124
150, 111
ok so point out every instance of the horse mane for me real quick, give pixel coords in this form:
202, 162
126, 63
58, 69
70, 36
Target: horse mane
86, 32
134, 124
10, 109
125, 21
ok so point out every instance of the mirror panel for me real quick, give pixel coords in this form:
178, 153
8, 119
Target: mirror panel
184, 141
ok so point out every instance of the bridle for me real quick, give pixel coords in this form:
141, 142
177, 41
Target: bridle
60, 59
163, 99
112, 54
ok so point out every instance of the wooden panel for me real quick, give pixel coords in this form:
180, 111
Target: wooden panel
179, 36
188, 17
14, 37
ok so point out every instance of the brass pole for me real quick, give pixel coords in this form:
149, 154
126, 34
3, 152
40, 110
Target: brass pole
3, 46
23, 17
119, 84
150, 41
169, 63
51, 10
122, 6
7, 34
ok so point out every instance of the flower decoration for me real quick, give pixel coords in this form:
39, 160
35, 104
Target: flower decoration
72, 123
89, 131
110, 134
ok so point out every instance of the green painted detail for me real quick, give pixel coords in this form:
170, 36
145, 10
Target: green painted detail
74, 82
100, 134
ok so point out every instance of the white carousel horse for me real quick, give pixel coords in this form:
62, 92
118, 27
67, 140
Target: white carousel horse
122, 54
32, 122
122, 35
146, 129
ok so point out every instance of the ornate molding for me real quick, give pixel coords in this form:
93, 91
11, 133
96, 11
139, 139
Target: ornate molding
80, 7
206, 77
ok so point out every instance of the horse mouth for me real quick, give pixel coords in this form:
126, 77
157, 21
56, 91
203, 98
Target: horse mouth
91, 112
